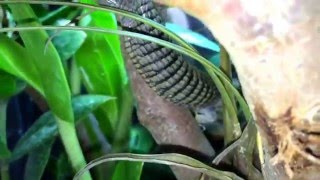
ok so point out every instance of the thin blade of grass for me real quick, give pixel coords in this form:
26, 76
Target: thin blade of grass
109, 9
232, 126
191, 51
166, 159
215, 71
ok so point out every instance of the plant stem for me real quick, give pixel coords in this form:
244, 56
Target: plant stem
3, 115
70, 141
4, 172
3, 138
75, 80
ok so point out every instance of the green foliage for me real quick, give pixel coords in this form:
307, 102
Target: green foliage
11, 55
38, 140
37, 161
10, 85
51, 79
103, 74
45, 128
46, 61
128, 171
4, 151
41, 60
141, 140
67, 42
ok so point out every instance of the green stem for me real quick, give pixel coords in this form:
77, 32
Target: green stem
3, 138
231, 125
3, 115
75, 80
4, 171
70, 141
122, 133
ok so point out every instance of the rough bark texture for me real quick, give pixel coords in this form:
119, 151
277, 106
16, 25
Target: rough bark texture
274, 46
172, 126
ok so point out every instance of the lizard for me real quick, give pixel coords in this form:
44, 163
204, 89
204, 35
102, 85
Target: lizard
163, 69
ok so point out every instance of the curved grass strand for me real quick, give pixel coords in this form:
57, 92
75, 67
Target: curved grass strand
113, 10
187, 52
192, 52
166, 159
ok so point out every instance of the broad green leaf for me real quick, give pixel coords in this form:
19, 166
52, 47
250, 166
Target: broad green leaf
37, 161
15, 60
45, 128
7, 84
10, 85
193, 37
47, 63
128, 171
53, 80
67, 42
102, 68
166, 159
92, 62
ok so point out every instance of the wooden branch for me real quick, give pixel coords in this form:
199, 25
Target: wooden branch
274, 46
171, 126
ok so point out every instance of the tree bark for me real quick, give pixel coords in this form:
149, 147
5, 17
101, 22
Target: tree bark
274, 46
173, 127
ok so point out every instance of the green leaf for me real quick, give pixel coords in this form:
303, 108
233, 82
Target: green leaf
45, 128
7, 84
193, 37
102, 69
15, 60
68, 42
167, 159
47, 63
4, 151
10, 85
63, 170
37, 161
128, 171
53, 80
